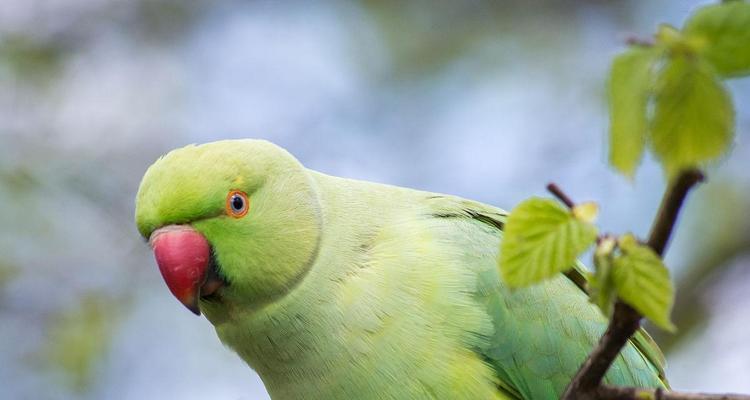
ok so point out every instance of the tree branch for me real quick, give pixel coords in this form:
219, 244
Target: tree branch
661, 231
628, 393
625, 320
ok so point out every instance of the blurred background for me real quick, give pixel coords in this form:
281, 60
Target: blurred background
488, 100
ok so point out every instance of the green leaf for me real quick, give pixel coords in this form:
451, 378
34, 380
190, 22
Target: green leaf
642, 281
721, 33
601, 285
79, 338
693, 120
7, 273
630, 84
541, 238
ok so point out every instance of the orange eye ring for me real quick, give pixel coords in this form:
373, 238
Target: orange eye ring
237, 204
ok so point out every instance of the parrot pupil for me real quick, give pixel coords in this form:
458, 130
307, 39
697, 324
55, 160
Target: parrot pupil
237, 203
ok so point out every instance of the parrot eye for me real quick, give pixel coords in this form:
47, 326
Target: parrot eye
237, 204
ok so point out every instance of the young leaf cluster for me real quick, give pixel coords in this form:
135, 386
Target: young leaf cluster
543, 238
636, 274
668, 96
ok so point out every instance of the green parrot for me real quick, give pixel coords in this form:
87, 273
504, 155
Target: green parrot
334, 288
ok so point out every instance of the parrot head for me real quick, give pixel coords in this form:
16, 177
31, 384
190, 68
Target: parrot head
231, 223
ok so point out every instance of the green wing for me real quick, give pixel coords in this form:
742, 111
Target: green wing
542, 333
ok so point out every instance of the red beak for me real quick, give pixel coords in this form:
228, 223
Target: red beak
183, 256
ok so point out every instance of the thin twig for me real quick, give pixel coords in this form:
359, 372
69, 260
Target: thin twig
557, 192
638, 41
625, 320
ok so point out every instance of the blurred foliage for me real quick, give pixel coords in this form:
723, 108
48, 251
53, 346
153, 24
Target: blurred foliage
722, 35
165, 20
30, 60
629, 89
17, 180
78, 338
669, 93
693, 121
38, 57
422, 42
7, 273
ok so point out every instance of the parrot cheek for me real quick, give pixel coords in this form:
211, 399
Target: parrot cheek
183, 256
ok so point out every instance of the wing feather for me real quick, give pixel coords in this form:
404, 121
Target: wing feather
543, 333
